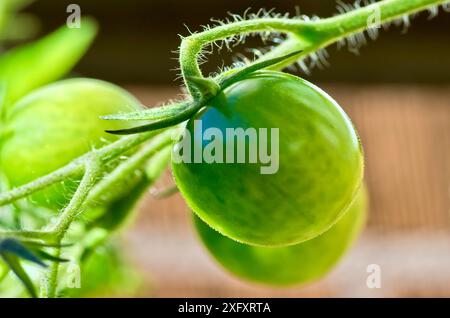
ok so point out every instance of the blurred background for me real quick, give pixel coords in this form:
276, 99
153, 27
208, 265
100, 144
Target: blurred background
397, 91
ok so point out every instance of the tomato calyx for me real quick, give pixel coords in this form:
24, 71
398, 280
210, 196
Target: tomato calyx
247, 71
206, 90
206, 87
13, 250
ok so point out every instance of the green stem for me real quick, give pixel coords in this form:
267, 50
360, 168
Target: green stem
388, 10
110, 183
92, 172
192, 45
27, 235
68, 171
308, 36
93, 169
105, 154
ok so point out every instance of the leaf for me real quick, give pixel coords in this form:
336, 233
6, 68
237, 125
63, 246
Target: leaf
34, 243
39, 63
49, 257
13, 263
12, 250
11, 246
160, 124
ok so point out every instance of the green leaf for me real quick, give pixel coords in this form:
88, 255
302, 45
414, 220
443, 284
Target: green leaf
32, 244
44, 255
11, 246
12, 250
31, 66
176, 119
14, 264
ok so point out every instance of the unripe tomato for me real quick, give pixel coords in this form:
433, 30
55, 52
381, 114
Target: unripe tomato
296, 264
320, 162
53, 125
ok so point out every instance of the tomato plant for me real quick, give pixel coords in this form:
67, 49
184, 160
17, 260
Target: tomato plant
320, 162
297, 217
300, 263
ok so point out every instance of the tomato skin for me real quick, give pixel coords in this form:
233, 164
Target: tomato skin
53, 125
320, 163
296, 264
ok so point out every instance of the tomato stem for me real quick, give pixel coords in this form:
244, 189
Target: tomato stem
307, 35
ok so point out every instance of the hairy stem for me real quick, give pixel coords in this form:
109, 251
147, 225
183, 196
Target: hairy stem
68, 171
92, 172
192, 45
308, 36
105, 154
93, 169
109, 184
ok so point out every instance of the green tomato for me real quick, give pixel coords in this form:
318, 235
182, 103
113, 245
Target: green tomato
52, 126
296, 264
320, 162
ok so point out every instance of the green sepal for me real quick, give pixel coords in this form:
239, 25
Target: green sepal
246, 71
13, 250
163, 123
12, 246
44, 255
206, 87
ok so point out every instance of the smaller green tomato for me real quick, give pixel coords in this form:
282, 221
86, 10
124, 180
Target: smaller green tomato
296, 264
54, 125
